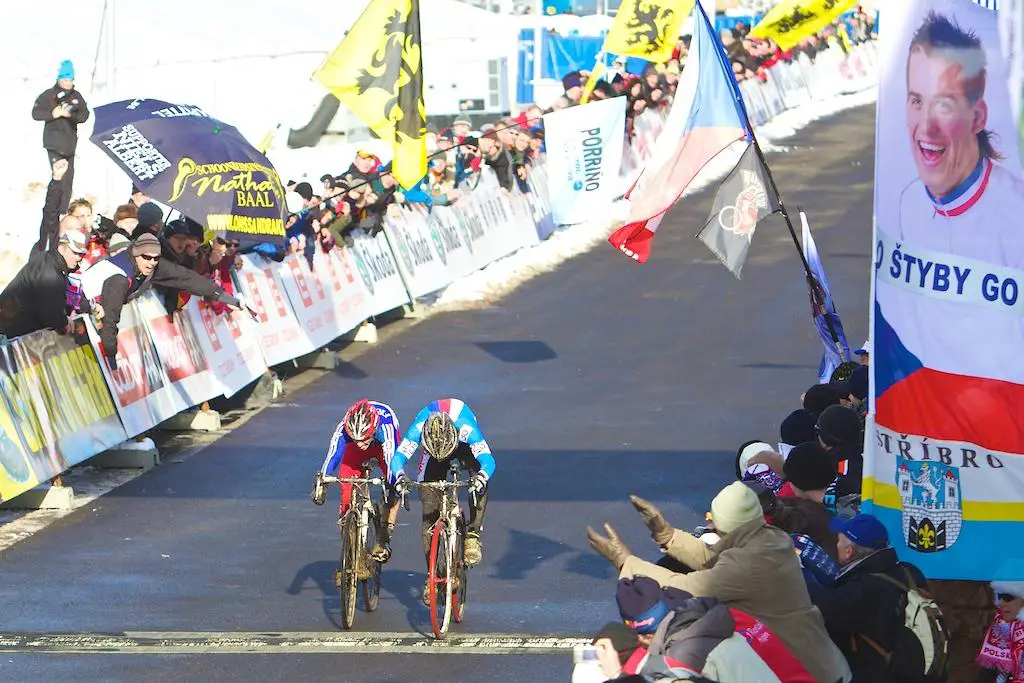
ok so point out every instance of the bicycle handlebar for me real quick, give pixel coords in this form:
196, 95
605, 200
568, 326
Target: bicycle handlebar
439, 485
375, 481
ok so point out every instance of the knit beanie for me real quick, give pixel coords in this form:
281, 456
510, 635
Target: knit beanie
747, 451
734, 506
798, 427
640, 603
304, 190
622, 638
146, 243
839, 425
809, 467
149, 215
67, 70
858, 383
819, 397
572, 80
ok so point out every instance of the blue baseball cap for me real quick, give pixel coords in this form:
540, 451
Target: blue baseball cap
865, 530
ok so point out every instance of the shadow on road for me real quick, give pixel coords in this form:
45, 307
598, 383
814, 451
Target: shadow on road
518, 351
408, 590
524, 553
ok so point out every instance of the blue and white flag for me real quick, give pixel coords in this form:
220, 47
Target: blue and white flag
584, 152
834, 353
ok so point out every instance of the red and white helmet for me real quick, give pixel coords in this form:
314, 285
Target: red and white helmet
361, 421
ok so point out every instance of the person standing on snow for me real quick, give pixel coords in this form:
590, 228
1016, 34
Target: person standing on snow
62, 109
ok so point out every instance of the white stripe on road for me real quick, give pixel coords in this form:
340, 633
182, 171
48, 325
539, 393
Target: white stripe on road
202, 642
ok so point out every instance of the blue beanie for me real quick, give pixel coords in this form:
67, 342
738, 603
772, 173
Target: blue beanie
67, 70
640, 604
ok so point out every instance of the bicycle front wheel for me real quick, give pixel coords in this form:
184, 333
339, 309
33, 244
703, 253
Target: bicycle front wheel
440, 567
349, 570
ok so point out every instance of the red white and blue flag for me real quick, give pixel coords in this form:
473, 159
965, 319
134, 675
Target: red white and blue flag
706, 118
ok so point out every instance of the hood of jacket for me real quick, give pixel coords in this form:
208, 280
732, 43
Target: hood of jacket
692, 631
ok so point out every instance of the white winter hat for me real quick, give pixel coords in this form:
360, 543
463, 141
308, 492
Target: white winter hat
734, 506
1014, 588
749, 451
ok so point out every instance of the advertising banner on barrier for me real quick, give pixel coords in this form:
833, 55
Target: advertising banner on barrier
584, 155
56, 410
377, 267
944, 451
346, 288
308, 297
424, 269
177, 347
280, 335
230, 341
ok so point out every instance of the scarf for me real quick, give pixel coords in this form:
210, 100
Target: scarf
1003, 650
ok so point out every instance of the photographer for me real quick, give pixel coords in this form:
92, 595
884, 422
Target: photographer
62, 109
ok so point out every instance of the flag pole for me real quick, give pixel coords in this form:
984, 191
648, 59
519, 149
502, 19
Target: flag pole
816, 292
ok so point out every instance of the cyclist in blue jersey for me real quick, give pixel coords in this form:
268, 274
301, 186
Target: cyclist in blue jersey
446, 429
368, 430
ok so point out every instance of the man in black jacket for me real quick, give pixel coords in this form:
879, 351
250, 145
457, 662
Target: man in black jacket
62, 108
863, 611
50, 226
116, 280
839, 433
36, 299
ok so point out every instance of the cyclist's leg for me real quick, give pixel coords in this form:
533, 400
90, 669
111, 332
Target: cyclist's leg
431, 500
473, 548
351, 466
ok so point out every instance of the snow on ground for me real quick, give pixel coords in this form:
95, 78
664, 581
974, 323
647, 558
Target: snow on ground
489, 285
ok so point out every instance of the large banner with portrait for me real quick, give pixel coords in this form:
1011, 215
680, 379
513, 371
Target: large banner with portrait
945, 445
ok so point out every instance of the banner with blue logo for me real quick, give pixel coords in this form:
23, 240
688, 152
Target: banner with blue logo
944, 448
584, 149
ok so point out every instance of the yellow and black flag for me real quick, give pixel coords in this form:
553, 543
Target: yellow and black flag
647, 28
377, 72
791, 21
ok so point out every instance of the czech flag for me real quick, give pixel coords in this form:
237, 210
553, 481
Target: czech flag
706, 118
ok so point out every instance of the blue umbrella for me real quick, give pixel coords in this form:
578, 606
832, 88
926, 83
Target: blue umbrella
181, 156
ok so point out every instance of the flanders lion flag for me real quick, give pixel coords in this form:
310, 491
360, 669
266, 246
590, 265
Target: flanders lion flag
790, 21
377, 72
647, 28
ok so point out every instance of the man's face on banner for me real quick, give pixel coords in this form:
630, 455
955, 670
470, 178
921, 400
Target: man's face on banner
942, 123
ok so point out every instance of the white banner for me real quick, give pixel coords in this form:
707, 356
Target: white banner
280, 336
309, 301
350, 298
377, 267
584, 149
231, 343
420, 256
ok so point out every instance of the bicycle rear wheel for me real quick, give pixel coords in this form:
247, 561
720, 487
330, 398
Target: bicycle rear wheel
349, 569
371, 582
439, 567
461, 576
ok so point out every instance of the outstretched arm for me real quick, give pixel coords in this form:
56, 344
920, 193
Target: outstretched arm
334, 450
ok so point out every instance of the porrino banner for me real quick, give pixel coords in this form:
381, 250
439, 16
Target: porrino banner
584, 149
944, 459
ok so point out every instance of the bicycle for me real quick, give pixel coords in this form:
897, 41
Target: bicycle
446, 566
359, 528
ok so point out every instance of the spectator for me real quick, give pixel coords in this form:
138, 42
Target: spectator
138, 197
150, 220
461, 128
119, 279
36, 299
753, 569
615, 644
498, 158
215, 261
695, 635
62, 109
573, 84
810, 471
468, 162
819, 397
797, 427
864, 609
839, 432
864, 352
1002, 651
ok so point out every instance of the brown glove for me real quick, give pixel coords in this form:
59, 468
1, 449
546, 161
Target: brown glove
661, 531
611, 547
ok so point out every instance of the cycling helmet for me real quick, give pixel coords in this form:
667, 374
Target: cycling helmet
361, 421
439, 436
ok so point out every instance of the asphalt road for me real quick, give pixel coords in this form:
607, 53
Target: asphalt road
591, 382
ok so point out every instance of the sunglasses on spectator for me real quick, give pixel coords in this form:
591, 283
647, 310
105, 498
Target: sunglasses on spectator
148, 257
1006, 597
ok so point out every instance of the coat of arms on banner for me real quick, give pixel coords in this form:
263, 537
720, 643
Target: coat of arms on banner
932, 504
741, 218
364, 272
403, 252
435, 234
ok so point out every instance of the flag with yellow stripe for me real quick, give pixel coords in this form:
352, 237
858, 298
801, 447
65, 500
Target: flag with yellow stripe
377, 72
647, 28
791, 21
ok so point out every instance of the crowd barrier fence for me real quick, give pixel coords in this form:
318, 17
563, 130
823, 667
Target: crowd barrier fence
62, 404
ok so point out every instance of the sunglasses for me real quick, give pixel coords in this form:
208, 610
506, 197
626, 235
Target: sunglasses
147, 257
1005, 597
